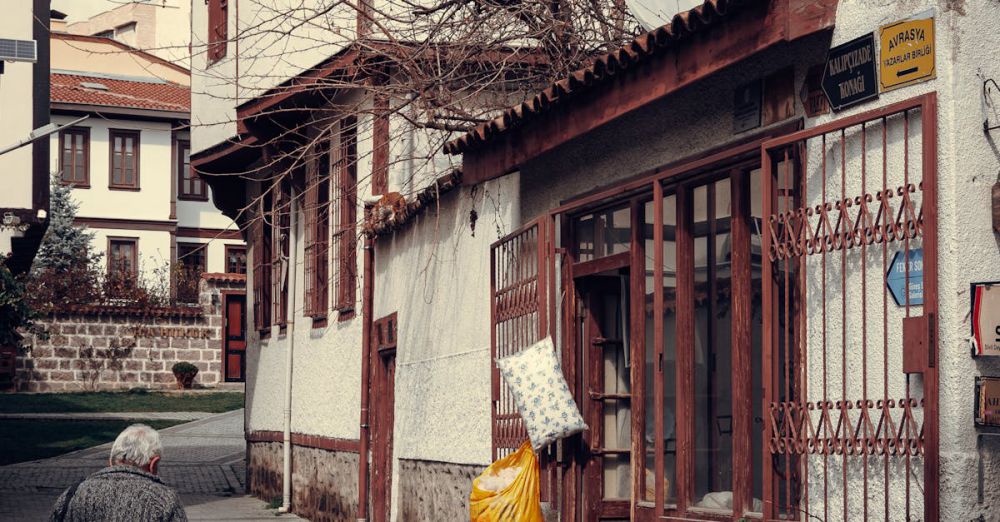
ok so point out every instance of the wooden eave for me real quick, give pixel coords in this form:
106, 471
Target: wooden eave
654, 66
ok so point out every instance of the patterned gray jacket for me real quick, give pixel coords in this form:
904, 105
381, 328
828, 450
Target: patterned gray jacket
120, 493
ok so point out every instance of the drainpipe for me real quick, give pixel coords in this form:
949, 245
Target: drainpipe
286, 477
367, 298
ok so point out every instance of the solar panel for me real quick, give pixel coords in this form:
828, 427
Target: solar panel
17, 50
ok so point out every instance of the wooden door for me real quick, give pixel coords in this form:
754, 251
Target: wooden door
383, 393
235, 339
605, 393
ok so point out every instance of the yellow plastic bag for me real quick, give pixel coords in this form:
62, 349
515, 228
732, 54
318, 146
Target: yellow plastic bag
508, 490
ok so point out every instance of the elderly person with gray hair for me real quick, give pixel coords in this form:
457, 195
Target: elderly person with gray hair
128, 489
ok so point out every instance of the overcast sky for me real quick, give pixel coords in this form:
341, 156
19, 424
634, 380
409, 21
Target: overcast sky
82, 9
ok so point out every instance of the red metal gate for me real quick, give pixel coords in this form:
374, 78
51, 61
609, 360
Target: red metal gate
519, 318
849, 375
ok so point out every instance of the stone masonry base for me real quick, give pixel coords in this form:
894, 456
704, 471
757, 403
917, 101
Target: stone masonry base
435, 490
324, 483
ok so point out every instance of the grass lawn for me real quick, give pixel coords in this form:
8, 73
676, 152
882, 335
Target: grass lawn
23, 440
134, 400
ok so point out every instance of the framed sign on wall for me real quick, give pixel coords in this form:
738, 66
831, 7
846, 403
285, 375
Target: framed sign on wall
986, 319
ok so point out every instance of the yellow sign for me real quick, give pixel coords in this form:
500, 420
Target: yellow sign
906, 53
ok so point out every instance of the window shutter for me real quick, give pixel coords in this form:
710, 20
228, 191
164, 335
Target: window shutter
518, 319
348, 181
218, 29
258, 272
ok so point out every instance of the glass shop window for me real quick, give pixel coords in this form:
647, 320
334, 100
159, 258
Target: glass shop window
602, 233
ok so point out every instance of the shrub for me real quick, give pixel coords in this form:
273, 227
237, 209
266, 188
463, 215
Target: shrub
184, 367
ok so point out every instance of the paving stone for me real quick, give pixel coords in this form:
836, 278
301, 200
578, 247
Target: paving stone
203, 460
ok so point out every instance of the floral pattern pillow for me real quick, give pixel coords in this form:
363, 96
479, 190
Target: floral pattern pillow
535, 379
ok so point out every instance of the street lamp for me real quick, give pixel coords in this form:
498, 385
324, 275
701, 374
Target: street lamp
39, 133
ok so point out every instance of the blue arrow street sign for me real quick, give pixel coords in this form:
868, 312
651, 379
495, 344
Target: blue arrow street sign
896, 278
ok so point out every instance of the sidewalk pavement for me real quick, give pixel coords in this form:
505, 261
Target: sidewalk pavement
116, 415
203, 460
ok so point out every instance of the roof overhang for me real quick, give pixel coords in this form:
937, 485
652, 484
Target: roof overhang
221, 167
697, 44
130, 113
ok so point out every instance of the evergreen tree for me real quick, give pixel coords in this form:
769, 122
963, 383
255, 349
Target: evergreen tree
65, 268
65, 246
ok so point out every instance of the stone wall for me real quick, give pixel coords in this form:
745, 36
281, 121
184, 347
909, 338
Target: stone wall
324, 482
434, 490
106, 348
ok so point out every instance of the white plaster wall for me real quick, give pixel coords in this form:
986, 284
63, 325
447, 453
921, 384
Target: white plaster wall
417, 159
173, 31
202, 214
213, 87
435, 276
15, 112
152, 200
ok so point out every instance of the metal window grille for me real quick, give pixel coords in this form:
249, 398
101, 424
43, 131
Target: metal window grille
344, 234
518, 319
317, 208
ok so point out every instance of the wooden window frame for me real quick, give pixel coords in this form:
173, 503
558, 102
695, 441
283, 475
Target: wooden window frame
191, 247
135, 253
281, 228
344, 234
228, 252
196, 181
123, 133
218, 30
85, 133
262, 246
317, 234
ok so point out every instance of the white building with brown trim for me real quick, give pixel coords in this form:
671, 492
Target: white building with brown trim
129, 162
761, 303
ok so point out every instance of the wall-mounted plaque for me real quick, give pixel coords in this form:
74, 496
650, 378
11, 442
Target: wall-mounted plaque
988, 401
907, 52
851, 75
986, 318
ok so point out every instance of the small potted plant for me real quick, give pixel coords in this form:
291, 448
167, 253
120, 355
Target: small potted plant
184, 372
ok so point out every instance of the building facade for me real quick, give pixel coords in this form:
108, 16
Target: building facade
710, 245
129, 162
24, 107
160, 28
